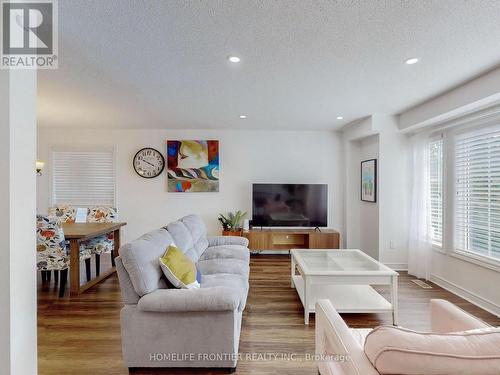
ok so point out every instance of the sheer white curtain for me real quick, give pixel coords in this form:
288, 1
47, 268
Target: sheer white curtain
420, 243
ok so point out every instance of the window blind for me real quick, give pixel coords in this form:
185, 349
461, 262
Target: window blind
83, 178
436, 191
477, 205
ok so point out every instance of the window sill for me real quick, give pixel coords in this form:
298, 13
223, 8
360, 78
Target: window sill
438, 249
479, 260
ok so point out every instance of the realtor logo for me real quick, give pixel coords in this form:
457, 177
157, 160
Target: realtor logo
29, 34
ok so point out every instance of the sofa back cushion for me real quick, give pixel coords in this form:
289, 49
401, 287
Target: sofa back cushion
140, 259
190, 235
395, 350
129, 295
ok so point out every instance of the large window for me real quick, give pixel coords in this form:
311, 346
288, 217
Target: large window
436, 191
477, 193
83, 178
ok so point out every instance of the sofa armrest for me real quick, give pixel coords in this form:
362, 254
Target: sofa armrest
334, 339
227, 240
219, 298
446, 318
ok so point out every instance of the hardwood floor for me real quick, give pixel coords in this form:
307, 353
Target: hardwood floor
82, 335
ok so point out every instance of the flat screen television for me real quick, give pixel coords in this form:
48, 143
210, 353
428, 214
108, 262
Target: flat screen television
290, 205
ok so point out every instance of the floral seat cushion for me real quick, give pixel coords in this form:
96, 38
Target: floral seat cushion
84, 252
100, 245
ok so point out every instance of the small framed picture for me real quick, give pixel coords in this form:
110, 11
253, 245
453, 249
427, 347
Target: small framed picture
369, 180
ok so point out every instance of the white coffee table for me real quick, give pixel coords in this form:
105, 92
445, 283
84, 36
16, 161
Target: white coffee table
345, 278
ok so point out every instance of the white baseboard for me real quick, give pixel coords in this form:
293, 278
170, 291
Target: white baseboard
467, 295
397, 266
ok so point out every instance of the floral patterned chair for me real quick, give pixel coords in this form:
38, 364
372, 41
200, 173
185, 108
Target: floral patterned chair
104, 243
53, 252
63, 214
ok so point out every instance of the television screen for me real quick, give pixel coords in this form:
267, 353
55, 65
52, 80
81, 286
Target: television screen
290, 205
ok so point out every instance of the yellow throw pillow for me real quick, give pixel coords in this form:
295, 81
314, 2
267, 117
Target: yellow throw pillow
179, 269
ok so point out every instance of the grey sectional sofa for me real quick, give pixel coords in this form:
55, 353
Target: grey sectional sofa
165, 327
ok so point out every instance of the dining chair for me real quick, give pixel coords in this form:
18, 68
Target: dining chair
63, 214
53, 252
105, 243
66, 214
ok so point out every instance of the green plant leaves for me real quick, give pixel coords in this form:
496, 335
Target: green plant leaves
232, 221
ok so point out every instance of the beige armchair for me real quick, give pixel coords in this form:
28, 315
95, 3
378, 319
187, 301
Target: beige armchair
340, 349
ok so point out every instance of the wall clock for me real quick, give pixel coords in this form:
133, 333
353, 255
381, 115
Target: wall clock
149, 163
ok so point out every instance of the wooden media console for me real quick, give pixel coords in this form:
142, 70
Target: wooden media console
286, 239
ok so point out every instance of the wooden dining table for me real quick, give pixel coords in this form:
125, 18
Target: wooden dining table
76, 233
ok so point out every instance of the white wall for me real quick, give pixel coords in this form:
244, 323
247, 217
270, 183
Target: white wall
18, 337
351, 137
394, 192
362, 217
473, 282
245, 156
352, 204
393, 188
368, 212
5, 350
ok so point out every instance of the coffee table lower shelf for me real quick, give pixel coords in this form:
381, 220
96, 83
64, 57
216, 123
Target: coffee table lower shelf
345, 298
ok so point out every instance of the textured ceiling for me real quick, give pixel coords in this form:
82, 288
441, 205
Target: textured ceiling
162, 64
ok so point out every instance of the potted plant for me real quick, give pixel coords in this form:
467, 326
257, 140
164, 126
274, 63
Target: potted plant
231, 224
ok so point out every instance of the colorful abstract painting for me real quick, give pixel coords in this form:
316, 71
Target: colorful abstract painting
369, 180
193, 166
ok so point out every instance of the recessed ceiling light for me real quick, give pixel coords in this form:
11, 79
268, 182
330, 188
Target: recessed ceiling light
340, 118
243, 116
411, 61
234, 59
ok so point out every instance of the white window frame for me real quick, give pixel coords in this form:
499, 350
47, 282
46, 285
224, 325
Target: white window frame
450, 188
79, 148
439, 137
